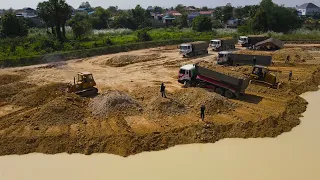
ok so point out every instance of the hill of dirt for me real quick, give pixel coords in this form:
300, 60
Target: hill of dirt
124, 60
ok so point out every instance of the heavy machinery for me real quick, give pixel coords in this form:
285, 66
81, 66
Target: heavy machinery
262, 75
249, 41
223, 84
84, 85
194, 48
222, 44
231, 59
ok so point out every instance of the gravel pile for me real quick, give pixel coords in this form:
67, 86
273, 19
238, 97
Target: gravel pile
114, 103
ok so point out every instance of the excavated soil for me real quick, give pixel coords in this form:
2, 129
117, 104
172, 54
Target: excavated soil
124, 60
297, 55
133, 117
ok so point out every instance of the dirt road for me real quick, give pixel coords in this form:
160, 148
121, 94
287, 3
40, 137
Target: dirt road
129, 116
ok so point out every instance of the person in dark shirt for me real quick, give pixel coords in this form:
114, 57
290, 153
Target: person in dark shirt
287, 60
254, 61
202, 109
290, 75
163, 90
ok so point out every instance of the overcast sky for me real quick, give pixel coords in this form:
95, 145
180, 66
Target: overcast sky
125, 4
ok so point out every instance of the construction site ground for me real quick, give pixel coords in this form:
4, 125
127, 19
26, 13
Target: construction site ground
129, 115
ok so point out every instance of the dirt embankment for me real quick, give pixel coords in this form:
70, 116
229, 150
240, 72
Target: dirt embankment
48, 120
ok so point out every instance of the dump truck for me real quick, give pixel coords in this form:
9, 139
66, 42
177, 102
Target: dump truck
269, 44
225, 85
84, 85
222, 44
249, 41
262, 75
231, 59
194, 48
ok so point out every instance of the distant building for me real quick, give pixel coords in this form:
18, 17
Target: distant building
190, 8
26, 13
173, 13
233, 23
206, 13
168, 20
308, 9
150, 8
193, 15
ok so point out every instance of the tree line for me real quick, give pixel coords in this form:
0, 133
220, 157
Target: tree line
57, 14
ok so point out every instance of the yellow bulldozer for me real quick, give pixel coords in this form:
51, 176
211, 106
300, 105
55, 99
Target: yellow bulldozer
84, 85
262, 75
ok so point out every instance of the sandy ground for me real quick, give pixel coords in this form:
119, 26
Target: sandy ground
159, 123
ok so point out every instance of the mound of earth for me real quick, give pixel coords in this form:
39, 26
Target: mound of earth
11, 89
124, 60
165, 106
9, 78
39, 95
114, 103
297, 55
195, 97
64, 110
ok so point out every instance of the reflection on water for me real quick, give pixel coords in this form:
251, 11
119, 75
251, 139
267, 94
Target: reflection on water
293, 156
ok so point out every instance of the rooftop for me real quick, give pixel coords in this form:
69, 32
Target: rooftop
307, 5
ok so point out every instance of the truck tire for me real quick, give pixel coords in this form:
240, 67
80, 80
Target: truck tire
220, 91
228, 94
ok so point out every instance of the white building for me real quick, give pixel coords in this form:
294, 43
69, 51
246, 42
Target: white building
308, 9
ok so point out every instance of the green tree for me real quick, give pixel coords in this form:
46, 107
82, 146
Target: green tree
80, 25
202, 23
113, 9
179, 8
13, 26
204, 8
101, 18
182, 21
124, 20
85, 5
55, 13
227, 12
141, 17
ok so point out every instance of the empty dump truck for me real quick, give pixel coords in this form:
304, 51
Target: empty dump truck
194, 48
231, 59
249, 41
222, 44
225, 85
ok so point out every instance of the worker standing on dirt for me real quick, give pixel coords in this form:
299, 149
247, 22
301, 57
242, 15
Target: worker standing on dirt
202, 109
290, 75
163, 90
287, 60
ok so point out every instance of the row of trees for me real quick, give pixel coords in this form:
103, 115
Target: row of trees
57, 14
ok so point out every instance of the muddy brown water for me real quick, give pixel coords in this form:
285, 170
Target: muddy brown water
293, 156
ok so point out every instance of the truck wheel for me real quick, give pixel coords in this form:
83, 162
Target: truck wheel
228, 94
220, 91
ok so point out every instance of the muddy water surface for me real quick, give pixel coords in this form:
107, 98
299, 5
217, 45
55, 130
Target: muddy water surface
293, 156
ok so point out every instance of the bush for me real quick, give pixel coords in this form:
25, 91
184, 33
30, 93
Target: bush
143, 35
202, 23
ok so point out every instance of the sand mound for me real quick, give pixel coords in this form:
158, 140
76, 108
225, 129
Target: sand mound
11, 89
165, 106
9, 78
114, 103
297, 55
64, 110
124, 60
195, 97
39, 95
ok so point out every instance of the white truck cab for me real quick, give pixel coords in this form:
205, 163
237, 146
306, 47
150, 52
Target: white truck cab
243, 40
215, 44
186, 73
185, 49
223, 57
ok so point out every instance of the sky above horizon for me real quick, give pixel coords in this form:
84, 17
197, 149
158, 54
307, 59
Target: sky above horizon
128, 4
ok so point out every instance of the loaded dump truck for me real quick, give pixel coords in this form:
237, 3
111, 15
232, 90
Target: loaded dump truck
231, 59
222, 44
225, 85
194, 48
249, 41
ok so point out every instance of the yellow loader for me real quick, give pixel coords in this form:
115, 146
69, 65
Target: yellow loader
261, 75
